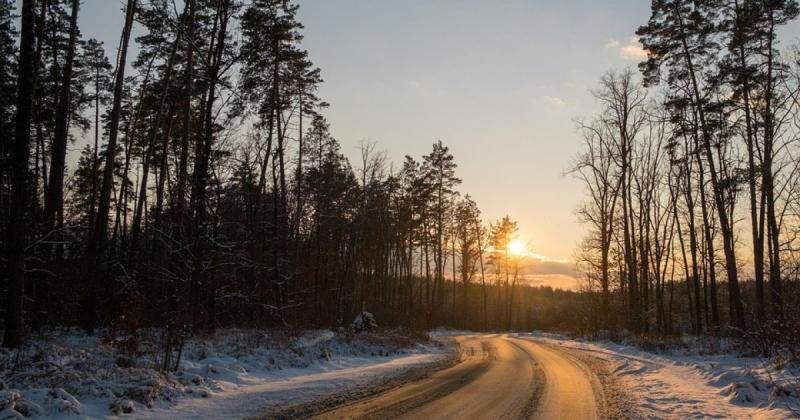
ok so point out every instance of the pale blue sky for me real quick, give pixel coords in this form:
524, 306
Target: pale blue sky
499, 82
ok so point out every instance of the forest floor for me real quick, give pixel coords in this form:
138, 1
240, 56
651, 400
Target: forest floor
233, 374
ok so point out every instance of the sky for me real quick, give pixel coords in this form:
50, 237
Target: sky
500, 83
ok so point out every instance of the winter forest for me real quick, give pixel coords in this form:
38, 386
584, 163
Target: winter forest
181, 196
210, 192
691, 175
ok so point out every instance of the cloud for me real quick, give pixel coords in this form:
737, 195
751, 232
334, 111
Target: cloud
538, 264
556, 281
565, 268
632, 51
553, 100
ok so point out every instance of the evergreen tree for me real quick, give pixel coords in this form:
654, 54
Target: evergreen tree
680, 36
17, 228
439, 168
99, 68
8, 74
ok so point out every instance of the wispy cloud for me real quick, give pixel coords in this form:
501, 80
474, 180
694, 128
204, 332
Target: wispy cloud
553, 100
632, 50
556, 281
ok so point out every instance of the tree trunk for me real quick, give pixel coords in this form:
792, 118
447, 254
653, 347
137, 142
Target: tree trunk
203, 156
99, 236
17, 230
183, 162
736, 304
150, 150
54, 196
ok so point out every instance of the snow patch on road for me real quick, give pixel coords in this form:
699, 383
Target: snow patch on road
696, 385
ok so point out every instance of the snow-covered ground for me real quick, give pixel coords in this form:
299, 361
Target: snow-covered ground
232, 375
688, 384
238, 373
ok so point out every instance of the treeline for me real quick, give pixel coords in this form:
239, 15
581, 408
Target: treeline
211, 193
691, 172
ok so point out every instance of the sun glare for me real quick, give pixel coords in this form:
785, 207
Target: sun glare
516, 247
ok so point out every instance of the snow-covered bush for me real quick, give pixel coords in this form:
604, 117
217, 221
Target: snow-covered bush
364, 321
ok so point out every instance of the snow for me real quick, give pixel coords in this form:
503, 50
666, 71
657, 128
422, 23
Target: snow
234, 374
690, 384
241, 373
245, 397
365, 321
449, 332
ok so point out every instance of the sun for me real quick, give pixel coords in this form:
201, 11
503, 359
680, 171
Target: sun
516, 247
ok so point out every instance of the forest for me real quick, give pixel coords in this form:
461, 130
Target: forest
187, 179
211, 193
691, 176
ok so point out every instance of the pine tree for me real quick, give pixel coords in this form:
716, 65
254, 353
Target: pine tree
97, 240
467, 240
8, 74
17, 229
680, 36
99, 69
439, 167
274, 74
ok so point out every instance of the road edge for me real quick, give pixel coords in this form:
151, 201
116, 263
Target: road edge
316, 406
616, 402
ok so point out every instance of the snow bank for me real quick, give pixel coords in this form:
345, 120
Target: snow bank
233, 374
690, 384
448, 332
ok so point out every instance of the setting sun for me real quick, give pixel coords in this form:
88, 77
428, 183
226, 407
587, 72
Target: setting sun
516, 247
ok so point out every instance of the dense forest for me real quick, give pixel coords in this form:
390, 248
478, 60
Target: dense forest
691, 173
211, 193
187, 179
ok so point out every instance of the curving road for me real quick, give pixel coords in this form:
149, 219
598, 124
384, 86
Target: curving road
499, 377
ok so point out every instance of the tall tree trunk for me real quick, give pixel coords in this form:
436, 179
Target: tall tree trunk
756, 222
96, 149
163, 174
188, 88
768, 180
131, 131
150, 150
736, 304
711, 255
630, 259
99, 235
483, 274
40, 280
203, 156
693, 242
17, 230
54, 196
